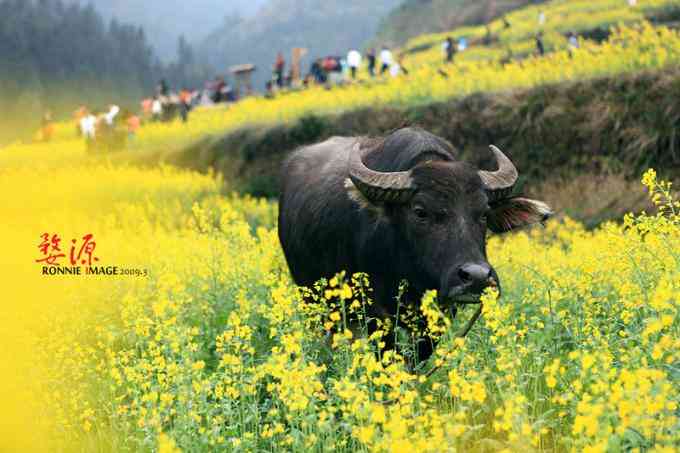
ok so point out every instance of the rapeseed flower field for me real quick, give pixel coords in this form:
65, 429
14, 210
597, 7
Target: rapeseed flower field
516, 30
192, 337
210, 347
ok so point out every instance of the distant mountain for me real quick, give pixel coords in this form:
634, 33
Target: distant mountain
416, 17
165, 20
323, 27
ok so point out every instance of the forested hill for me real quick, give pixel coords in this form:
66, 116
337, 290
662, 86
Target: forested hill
324, 27
415, 17
56, 55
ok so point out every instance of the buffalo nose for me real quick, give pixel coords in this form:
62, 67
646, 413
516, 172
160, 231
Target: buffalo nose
474, 275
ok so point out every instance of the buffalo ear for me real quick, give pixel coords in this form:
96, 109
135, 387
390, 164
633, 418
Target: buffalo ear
516, 212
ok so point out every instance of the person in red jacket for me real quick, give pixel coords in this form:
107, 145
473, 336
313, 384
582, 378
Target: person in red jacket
279, 67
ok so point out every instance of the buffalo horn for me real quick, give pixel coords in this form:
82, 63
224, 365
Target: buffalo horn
500, 182
377, 186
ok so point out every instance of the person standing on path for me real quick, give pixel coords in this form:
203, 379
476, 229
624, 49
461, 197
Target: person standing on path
279, 67
371, 62
185, 98
572, 43
133, 124
386, 60
449, 49
353, 61
540, 48
88, 129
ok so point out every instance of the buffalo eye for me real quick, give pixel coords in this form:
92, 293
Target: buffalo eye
420, 212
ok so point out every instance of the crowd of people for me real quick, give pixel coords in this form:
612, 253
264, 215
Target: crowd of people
107, 130
337, 69
114, 128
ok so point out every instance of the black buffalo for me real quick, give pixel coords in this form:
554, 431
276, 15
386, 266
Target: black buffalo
402, 207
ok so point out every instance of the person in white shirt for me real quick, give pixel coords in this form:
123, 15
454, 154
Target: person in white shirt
88, 127
156, 109
385, 59
110, 117
541, 18
573, 41
353, 61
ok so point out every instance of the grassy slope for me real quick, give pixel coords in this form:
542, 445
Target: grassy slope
480, 69
591, 133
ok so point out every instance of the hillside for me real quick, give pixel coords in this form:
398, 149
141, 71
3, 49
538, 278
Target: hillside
480, 69
580, 113
330, 27
416, 17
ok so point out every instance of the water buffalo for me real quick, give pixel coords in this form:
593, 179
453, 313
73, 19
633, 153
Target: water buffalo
402, 207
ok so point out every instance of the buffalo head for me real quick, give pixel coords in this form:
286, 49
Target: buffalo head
441, 210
